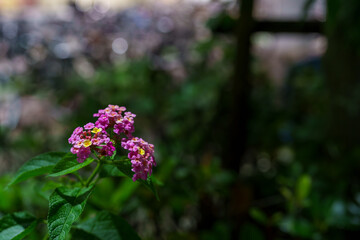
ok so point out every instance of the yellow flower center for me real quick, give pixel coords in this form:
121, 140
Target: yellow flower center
141, 151
96, 130
87, 143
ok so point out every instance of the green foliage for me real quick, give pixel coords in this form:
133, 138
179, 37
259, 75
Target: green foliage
68, 200
37, 166
16, 226
107, 226
303, 187
68, 164
109, 170
65, 207
258, 215
297, 227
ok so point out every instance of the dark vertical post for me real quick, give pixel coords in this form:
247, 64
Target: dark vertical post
342, 61
240, 88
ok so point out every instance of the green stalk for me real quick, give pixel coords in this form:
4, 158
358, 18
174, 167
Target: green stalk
121, 160
94, 173
77, 175
106, 161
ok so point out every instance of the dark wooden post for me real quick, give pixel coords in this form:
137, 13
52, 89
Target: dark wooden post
240, 88
342, 61
240, 111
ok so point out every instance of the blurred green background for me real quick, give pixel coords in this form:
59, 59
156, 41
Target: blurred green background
253, 108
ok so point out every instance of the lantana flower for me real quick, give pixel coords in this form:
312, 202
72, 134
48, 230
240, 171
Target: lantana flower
141, 154
90, 138
113, 117
94, 137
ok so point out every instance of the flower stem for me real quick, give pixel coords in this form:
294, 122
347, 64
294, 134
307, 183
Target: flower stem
93, 175
77, 175
106, 161
121, 160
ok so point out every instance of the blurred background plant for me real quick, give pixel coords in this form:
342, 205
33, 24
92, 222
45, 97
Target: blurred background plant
172, 63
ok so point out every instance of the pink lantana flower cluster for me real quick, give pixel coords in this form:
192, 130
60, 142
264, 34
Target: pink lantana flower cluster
90, 138
141, 155
112, 117
95, 138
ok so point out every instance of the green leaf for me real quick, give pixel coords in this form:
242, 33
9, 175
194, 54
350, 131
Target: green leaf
66, 205
296, 227
16, 226
149, 184
258, 215
303, 187
109, 170
37, 166
125, 167
123, 192
108, 226
286, 193
68, 164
